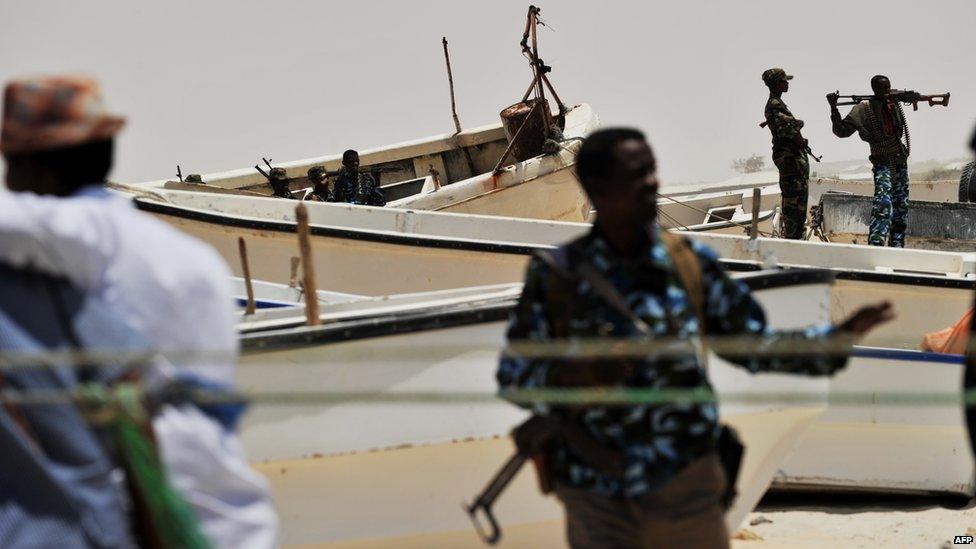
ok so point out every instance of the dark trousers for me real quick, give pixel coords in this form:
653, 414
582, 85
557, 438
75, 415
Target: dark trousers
685, 513
794, 173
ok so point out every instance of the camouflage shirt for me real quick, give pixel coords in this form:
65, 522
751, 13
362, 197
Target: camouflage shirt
784, 127
656, 440
359, 188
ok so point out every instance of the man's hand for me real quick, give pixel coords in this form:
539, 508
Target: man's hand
832, 99
867, 318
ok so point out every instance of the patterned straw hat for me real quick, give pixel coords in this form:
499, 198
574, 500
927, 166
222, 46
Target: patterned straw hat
54, 112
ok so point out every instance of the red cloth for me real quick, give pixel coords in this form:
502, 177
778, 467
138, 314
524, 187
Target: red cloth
888, 118
951, 340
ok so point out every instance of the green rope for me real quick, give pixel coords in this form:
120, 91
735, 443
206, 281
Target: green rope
172, 518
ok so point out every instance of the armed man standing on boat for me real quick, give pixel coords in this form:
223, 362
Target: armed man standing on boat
644, 475
355, 186
881, 123
789, 153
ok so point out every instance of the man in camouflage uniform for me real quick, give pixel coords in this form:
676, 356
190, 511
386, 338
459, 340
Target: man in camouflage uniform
881, 123
278, 178
357, 187
318, 177
669, 490
789, 153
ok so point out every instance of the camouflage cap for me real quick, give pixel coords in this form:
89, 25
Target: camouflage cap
316, 171
278, 173
193, 178
770, 76
53, 112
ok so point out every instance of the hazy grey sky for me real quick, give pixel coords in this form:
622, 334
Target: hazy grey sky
215, 85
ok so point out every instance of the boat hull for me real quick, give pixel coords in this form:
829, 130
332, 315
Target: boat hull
910, 448
358, 266
411, 496
314, 454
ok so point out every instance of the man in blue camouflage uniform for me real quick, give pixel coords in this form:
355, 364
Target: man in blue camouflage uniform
881, 123
670, 489
355, 186
789, 153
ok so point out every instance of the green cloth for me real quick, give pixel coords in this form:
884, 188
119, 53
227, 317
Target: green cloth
124, 415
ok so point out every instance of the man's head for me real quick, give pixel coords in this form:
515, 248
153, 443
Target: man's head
350, 159
777, 80
316, 174
56, 134
880, 84
618, 172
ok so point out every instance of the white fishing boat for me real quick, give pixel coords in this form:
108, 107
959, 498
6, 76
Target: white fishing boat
446, 173
720, 210
888, 361
338, 468
354, 247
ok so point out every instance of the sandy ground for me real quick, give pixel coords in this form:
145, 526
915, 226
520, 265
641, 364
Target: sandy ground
325, 496
794, 521
805, 521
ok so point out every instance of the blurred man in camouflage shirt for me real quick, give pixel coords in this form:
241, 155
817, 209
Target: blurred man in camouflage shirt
669, 487
789, 153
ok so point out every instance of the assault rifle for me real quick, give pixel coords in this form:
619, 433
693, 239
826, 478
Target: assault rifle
806, 149
531, 440
277, 178
908, 97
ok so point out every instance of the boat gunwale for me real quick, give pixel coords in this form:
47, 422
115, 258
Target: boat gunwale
440, 242
385, 237
459, 315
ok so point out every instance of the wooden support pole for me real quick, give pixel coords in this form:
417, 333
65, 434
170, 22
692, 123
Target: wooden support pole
308, 266
246, 270
450, 82
754, 228
457, 121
